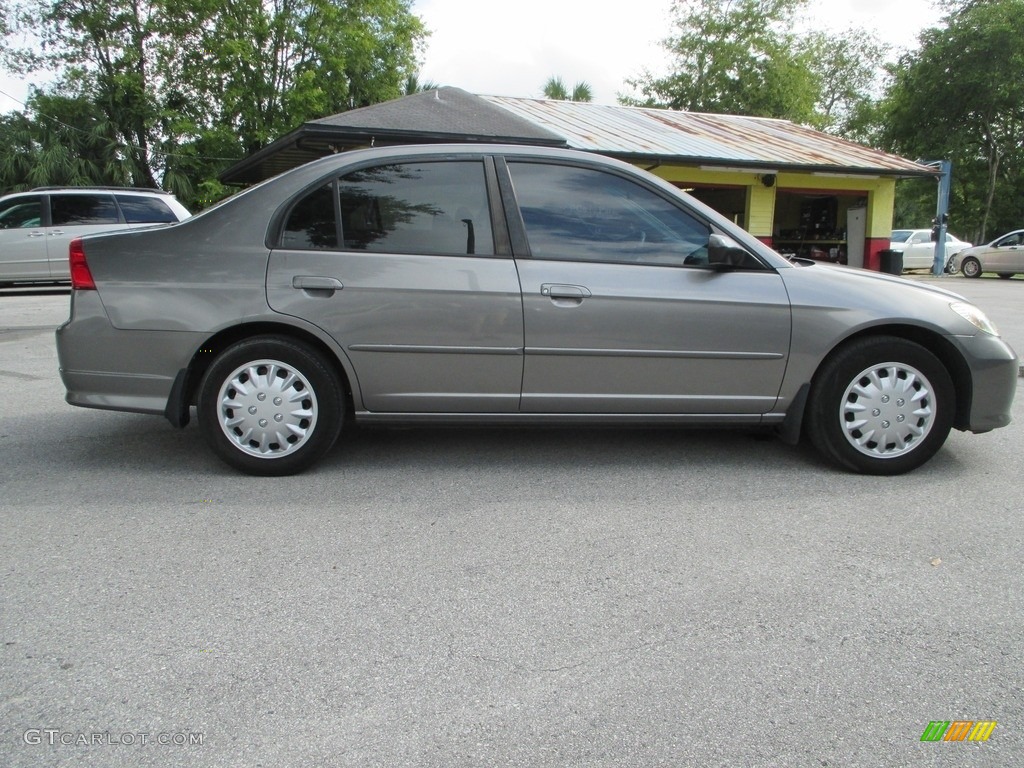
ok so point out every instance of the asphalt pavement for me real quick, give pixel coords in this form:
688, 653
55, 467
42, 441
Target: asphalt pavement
529, 597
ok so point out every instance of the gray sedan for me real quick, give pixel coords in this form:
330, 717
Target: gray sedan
1004, 256
511, 285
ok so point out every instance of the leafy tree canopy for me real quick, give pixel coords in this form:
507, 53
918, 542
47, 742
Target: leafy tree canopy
184, 87
744, 57
958, 97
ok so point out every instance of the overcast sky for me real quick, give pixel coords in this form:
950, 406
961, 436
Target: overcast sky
510, 49
513, 51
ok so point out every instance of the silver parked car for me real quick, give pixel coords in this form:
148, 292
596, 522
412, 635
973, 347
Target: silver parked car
36, 227
1004, 256
503, 285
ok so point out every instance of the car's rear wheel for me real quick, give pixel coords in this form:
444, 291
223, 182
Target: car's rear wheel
971, 267
270, 406
881, 406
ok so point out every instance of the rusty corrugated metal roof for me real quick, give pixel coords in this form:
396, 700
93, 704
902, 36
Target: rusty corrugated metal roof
727, 140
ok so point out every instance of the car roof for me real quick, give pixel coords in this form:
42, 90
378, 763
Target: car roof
84, 190
131, 191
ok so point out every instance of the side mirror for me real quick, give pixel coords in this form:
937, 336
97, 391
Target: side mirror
726, 253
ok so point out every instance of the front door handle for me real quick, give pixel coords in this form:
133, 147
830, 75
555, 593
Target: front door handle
326, 285
559, 291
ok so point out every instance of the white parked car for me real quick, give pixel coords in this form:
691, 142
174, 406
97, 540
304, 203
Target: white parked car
918, 249
36, 227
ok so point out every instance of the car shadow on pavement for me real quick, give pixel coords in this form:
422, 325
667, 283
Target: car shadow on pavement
94, 440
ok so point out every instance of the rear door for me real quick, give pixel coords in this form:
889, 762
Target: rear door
623, 313
75, 215
402, 265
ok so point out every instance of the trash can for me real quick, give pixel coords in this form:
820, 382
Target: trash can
891, 261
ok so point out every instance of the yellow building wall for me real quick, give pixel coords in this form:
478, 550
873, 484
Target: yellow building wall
760, 213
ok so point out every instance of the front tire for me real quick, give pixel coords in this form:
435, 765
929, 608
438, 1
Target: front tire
270, 406
971, 267
881, 406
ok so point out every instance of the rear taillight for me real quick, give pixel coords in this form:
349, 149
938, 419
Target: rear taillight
81, 277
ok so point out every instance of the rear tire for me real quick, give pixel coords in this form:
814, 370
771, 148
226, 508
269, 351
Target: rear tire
971, 267
270, 406
881, 406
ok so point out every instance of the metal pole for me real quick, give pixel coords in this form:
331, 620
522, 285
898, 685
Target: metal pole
941, 215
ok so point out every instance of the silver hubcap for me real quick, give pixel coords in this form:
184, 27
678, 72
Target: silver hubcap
970, 268
267, 409
887, 410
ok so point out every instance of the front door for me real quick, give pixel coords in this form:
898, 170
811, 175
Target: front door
622, 312
23, 239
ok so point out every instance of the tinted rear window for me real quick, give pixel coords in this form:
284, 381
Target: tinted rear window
66, 210
145, 210
312, 223
424, 208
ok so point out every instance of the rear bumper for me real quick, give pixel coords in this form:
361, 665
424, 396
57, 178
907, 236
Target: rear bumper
118, 370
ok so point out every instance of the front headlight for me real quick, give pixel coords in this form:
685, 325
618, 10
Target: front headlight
974, 316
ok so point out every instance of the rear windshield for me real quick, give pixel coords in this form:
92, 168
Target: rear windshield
900, 235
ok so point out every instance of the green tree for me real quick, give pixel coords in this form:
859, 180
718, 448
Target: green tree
177, 81
958, 98
60, 141
734, 57
847, 77
556, 89
743, 57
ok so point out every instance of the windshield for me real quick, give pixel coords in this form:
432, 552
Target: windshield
900, 235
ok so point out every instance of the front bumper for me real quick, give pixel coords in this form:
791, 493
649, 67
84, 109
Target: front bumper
994, 370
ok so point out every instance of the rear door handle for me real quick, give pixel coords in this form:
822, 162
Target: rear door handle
559, 291
316, 283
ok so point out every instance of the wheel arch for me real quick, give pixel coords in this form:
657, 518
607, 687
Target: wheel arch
935, 343
185, 391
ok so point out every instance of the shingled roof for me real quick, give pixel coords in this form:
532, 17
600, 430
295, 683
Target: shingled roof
442, 115
656, 136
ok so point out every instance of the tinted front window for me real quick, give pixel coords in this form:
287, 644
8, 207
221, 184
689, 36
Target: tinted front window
582, 214
66, 210
21, 213
145, 210
426, 208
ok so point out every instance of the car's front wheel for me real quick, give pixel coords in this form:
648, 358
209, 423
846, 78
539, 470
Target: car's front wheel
881, 406
971, 267
270, 406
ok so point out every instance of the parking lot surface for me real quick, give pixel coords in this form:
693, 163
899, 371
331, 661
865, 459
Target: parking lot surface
527, 597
